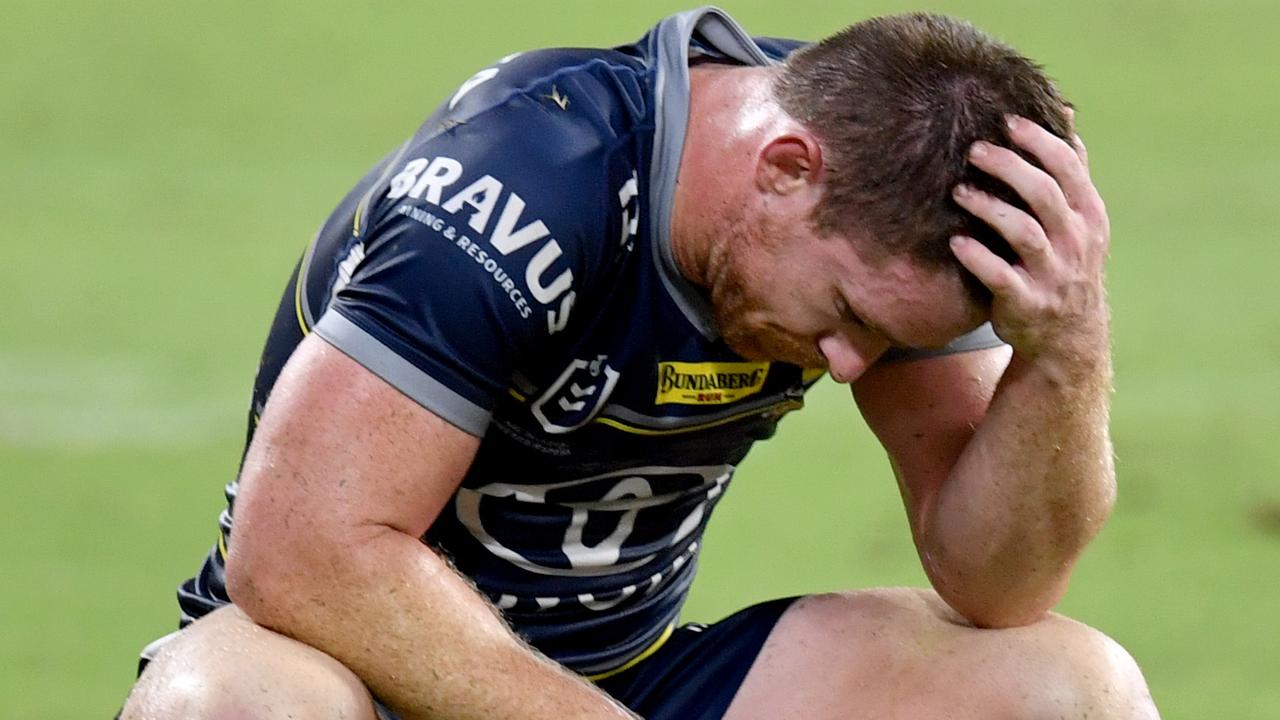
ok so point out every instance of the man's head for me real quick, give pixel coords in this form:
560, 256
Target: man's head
896, 102
815, 202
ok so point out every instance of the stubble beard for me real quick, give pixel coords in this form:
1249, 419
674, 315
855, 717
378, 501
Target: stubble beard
742, 316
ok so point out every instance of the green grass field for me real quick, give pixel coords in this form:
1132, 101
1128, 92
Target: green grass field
165, 162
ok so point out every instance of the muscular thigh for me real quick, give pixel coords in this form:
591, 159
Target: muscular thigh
903, 653
224, 665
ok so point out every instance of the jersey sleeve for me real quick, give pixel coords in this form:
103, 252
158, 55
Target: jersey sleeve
479, 241
981, 338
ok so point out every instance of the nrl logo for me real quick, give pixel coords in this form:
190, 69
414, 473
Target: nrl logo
576, 396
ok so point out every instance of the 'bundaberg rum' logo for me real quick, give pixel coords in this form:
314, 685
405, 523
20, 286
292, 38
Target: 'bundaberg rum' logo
709, 383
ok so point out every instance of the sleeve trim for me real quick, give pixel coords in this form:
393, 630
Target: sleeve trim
404, 376
981, 338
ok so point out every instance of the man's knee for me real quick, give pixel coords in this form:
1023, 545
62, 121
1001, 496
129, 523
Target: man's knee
905, 645
225, 666
1071, 670
1054, 668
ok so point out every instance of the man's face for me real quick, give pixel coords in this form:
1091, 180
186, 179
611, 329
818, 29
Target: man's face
781, 292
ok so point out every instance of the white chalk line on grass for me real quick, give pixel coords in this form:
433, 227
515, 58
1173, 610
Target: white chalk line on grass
50, 401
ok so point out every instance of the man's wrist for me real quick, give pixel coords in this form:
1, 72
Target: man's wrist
1075, 353
1075, 367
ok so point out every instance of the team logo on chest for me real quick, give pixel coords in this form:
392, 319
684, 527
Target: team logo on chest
709, 383
576, 396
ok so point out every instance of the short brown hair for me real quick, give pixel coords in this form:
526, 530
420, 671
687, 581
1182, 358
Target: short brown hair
896, 102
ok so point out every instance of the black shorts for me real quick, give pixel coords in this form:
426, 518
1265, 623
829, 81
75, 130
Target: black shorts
696, 672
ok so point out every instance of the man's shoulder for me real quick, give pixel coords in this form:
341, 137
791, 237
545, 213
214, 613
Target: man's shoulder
485, 238
608, 87
562, 132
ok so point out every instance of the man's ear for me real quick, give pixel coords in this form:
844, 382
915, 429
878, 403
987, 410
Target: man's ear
789, 163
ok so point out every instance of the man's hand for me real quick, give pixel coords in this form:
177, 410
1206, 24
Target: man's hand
1006, 483
1051, 306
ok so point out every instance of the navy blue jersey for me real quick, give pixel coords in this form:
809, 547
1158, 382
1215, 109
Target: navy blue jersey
509, 267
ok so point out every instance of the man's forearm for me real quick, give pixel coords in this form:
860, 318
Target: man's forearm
1031, 488
1035, 482
418, 634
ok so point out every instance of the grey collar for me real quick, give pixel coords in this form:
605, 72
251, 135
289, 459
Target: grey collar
716, 34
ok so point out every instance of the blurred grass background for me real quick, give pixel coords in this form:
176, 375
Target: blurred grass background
163, 164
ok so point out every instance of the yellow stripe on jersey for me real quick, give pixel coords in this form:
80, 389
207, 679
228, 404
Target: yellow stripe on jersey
644, 655
297, 305
222, 546
357, 215
782, 407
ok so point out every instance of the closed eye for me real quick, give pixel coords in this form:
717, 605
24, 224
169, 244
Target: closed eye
846, 313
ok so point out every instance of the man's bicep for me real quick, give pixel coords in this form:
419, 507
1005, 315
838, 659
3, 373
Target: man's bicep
925, 411
338, 452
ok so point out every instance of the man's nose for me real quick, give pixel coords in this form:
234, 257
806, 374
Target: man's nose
848, 357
